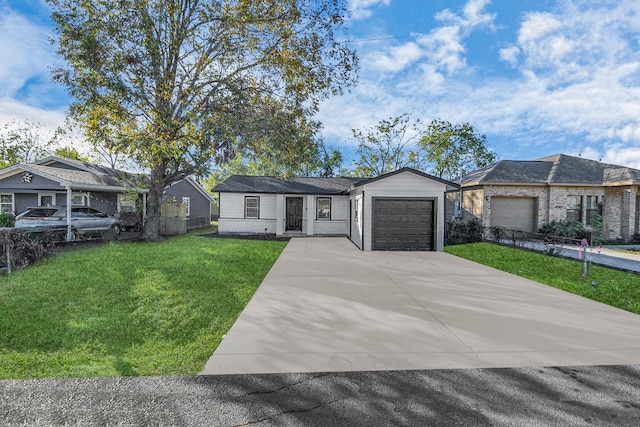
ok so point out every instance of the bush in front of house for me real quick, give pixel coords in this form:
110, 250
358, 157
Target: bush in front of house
17, 248
566, 229
574, 230
461, 232
7, 219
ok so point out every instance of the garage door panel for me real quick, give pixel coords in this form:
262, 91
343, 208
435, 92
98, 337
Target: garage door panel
403, 224
513, 213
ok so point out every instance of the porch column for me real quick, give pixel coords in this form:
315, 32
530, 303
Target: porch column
144, 206
279, 214
69, 230
310, 214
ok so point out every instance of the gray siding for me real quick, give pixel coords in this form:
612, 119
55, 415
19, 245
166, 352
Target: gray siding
200, 206
14, 183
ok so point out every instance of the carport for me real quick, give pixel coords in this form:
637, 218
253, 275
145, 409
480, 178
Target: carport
327, 306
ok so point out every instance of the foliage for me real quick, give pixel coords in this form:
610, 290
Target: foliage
128, 308
21, 249
70, 153
616, 288
455, 149
7, 219
461, 232
564, 228
321, 161
173, 84
23, 142
386, 147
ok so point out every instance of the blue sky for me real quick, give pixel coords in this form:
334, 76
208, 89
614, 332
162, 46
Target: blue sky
537, 77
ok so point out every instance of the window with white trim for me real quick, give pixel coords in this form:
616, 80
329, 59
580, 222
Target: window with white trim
7, 203
79, 199
252, 207
323, 208
187, 201
127, 202
46, 199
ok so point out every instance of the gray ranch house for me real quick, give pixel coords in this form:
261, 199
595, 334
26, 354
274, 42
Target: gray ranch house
525, 195
401, 210
58, 181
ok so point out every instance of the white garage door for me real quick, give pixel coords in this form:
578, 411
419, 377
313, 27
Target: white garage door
513, 213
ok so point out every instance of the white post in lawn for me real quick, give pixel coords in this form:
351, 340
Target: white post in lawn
69, 230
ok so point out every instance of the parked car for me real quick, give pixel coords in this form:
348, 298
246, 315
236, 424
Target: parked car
84, 220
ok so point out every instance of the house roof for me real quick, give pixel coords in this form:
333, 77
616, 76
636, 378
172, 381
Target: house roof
115, 176
401, 170
79, 175
558, 169
298, 185
306, 185
198, 187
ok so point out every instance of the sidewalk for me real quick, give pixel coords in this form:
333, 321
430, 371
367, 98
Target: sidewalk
607, 257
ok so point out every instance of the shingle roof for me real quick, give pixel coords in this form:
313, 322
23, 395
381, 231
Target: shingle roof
299, 185
557, 169
77, 177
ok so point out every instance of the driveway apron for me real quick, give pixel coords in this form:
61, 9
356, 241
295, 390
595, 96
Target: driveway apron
326, 306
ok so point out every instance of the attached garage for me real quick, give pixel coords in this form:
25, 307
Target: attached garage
399, 211
403, 224
514, 213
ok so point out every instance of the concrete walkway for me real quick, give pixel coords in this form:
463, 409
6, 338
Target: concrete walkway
326, 306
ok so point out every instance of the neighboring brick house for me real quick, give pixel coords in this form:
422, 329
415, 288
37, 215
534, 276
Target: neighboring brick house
525, 195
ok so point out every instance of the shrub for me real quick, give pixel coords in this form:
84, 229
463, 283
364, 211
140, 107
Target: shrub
460, 232
21, 249
7, 219
567, 229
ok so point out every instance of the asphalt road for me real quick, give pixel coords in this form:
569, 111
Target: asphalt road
594, 395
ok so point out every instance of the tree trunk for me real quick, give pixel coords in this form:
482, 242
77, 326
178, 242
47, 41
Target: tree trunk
151, 229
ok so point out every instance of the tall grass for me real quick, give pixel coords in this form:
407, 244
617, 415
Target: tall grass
128, 308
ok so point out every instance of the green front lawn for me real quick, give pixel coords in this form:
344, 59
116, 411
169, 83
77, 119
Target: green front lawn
128, 308
614, 287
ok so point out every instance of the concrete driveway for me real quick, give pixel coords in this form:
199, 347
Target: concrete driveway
326, 306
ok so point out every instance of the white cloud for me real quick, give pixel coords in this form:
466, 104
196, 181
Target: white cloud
11, 110
397, 58
25, 50
510, 54
361, 9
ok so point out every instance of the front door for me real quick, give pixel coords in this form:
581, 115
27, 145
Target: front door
294, 214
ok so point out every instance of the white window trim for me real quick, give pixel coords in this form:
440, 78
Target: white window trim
13, 202
53, 198
187, 201
330, 208
85, 199
245, 207
120, 204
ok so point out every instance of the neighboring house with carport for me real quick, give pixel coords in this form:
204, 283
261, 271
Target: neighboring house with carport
58, 181
401, 210
525, 195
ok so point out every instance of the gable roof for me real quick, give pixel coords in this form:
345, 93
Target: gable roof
298, 185
405, 169
197, 186
116, 176
307, 184
558, 169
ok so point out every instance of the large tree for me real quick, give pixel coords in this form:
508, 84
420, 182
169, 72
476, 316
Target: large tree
455, 149
386, 147
174, 83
